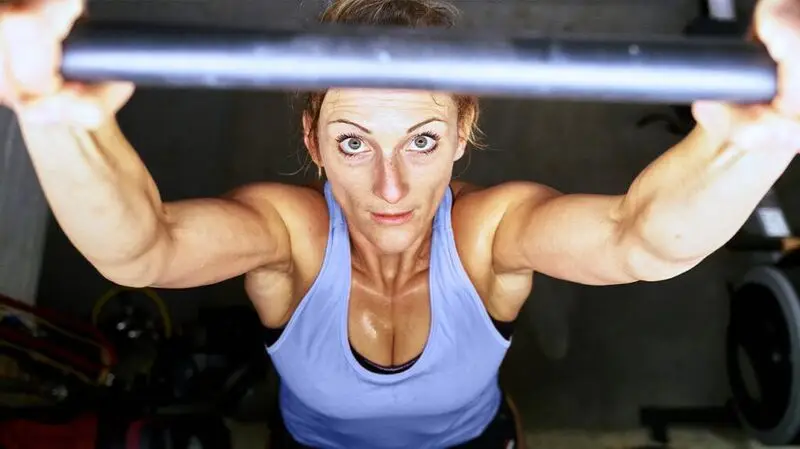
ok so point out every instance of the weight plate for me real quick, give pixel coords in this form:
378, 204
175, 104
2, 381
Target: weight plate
763, 346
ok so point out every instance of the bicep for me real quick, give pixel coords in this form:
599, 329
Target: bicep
575, 237
213, 239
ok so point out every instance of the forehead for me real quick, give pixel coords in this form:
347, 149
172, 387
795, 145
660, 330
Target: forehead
374, 104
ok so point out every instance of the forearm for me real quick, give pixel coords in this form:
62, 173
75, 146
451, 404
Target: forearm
101, 195
695, 197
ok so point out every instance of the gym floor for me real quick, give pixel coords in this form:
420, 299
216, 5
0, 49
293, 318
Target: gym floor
254, 436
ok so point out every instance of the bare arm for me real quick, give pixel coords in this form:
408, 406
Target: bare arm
686, 204
679, 210
109, 207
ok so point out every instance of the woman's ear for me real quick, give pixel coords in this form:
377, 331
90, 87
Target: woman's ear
462, 147
465, 130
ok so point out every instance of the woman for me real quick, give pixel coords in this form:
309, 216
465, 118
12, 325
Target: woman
389, 295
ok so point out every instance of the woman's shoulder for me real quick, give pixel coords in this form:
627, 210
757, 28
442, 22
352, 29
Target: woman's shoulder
302, 208
478, 210
461, 188
287, 196
503, 193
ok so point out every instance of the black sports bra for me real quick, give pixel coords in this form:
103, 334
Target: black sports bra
271, 336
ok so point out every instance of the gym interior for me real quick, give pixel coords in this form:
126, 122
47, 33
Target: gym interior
640, 365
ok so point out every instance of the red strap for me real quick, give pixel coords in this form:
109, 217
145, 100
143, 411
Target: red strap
133, 439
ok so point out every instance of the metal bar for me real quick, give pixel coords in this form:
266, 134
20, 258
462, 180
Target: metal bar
600, 68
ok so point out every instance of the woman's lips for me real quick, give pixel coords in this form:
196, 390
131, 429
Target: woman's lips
392, 219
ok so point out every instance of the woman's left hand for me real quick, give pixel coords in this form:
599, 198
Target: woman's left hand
767, 127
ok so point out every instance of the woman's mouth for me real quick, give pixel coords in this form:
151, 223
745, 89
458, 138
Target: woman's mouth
393, 218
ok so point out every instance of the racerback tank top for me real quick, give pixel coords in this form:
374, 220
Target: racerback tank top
448, 396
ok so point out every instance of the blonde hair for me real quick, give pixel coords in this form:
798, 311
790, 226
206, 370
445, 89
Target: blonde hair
406, 13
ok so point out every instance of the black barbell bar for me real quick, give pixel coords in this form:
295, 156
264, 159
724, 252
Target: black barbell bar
672, 70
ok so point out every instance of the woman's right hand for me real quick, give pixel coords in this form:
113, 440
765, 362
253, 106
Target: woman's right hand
31, 35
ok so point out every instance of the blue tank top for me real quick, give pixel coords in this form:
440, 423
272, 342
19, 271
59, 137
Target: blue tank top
448, 396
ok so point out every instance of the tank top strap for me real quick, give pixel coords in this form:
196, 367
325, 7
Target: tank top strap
445, 266
442, 218
335, 213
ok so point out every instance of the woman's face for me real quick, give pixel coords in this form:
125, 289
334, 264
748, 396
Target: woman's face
389, 157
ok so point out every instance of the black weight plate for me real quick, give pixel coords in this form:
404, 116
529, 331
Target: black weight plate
763, 344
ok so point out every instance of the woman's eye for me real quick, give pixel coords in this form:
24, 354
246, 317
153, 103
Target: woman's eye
351, 145
423, 143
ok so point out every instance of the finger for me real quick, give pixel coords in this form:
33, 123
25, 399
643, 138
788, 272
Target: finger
777, 24
41, 26
778, 27
28, 5
788, 98
60, 16
32, 66
20, 5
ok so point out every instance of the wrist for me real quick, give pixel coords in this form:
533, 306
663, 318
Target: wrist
756, 128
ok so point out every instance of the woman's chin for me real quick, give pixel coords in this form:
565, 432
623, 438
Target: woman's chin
394, 240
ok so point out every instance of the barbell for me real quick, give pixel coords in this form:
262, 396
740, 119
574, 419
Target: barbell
672, 70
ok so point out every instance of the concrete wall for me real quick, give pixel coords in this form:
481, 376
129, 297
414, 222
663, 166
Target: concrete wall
582, 356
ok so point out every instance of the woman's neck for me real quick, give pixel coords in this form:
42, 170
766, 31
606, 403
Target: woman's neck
390, 272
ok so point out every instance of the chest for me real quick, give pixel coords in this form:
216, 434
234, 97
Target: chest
459, 356
389, 329
437, 316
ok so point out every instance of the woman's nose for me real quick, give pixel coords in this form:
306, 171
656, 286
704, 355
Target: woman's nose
390, 183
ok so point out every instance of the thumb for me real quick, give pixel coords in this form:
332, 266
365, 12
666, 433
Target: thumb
108, 97
778, 27
716, 118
